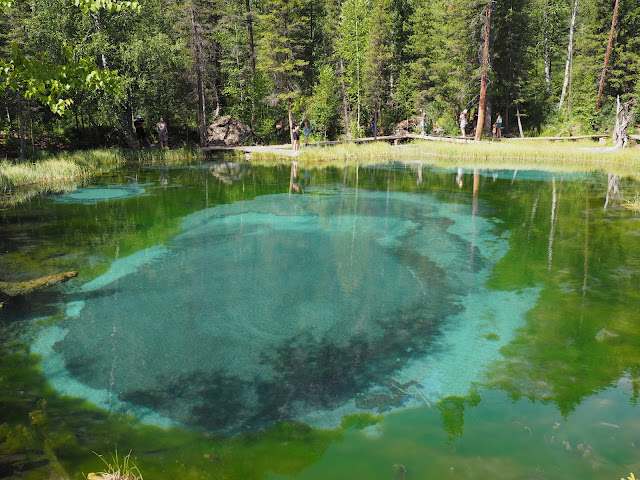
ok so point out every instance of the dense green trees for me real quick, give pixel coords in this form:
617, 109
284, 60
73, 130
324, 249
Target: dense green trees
96, 63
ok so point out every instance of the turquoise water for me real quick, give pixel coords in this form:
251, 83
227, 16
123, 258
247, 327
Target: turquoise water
487, 329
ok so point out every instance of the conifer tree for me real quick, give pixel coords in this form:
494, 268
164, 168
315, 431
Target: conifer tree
281, 47
352, 46
379, 53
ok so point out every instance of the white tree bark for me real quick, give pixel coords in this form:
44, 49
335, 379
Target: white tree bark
519, 122
569, 54
623, 118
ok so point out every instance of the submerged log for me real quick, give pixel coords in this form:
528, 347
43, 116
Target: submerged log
13, 289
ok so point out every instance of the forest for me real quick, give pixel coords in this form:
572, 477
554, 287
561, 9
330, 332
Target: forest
75, 73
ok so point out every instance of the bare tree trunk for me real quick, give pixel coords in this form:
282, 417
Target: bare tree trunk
200, 86
345, 110
488, 109
570, 83
483, 78
21, 124
569, 54
623, 118
358, 71
519, 122
547, 64
606, 56
252, 61
290, 112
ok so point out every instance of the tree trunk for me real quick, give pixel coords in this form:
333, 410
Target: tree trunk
547, 64
290, 112
623, 118
483, 78
345, 110
21, 125
358, 70
200, 86
569, 54
519, 122
252, 61
125, 121
488, 108
13, 289
607, 54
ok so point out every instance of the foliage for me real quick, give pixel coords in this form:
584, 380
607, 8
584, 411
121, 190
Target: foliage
114, 5
35, 77
324, 105
260, 61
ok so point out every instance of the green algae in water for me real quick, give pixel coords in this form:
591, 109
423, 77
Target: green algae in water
560, 383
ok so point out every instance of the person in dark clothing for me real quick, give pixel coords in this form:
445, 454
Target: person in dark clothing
141, 135
296, 137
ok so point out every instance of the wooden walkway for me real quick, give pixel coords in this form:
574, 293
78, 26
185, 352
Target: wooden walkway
286, 150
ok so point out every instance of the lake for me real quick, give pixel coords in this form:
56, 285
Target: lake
377, 321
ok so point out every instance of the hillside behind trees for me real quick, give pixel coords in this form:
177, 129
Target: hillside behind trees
272, 62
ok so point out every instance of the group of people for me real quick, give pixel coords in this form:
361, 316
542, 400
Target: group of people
306, 129
143, 139
496, 127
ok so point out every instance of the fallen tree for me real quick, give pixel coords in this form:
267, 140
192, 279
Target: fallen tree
13, 289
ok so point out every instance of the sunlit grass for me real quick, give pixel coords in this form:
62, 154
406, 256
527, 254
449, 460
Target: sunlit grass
61, 167
183, 156
581, 155
186, 155
117, 470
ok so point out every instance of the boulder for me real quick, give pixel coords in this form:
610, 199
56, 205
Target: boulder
228, 131
404, 127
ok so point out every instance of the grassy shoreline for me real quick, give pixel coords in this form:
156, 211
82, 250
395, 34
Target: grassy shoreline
51, 174
507, 154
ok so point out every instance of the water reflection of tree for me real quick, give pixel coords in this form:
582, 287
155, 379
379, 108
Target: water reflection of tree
452, 413
581, 336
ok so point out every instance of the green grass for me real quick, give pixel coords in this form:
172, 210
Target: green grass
586, 155
61, 167
186, 155
580, 155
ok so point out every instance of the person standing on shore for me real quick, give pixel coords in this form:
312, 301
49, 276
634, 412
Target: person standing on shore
141, 135
296, 137
163, 133
463, 123
306, 128
499, 126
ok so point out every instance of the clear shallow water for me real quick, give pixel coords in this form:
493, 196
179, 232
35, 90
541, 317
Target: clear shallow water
480, 320
91, 195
